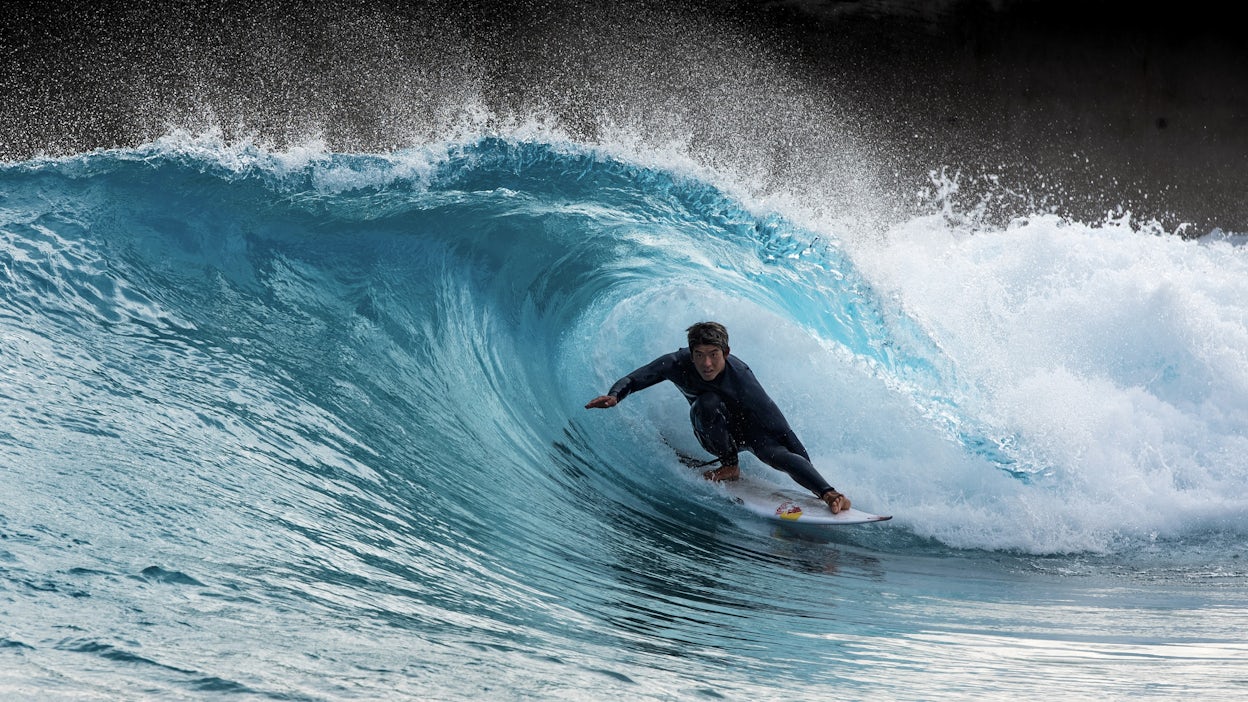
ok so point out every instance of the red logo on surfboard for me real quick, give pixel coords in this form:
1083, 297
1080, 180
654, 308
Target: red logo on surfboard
788, 510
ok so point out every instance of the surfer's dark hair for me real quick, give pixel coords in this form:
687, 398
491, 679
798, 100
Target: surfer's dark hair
708, 334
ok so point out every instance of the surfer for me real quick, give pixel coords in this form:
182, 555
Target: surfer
730, 411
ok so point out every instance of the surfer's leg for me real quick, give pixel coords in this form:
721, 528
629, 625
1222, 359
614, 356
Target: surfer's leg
798, 466
710, 424
781, 457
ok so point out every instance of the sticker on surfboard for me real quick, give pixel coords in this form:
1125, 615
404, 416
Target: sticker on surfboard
789, 511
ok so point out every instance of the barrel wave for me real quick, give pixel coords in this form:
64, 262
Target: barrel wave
252, 396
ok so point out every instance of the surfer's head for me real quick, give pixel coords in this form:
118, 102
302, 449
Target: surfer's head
709, 334
708, 346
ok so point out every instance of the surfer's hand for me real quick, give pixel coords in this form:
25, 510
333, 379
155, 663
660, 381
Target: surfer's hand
602, 402
836, 501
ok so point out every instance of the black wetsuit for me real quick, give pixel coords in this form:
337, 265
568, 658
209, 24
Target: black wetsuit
730, 413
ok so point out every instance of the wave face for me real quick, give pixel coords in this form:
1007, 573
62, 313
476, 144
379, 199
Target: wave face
304, 424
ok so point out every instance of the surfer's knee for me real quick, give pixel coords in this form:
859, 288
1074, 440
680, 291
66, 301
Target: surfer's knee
708, 414
708, 405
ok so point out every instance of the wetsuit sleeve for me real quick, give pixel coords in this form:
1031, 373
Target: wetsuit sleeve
652, 373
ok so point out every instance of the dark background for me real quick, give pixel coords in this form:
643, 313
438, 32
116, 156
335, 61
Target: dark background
1084, 107
1147, 102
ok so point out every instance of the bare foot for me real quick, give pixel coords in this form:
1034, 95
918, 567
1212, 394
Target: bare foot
723, 473
836, 501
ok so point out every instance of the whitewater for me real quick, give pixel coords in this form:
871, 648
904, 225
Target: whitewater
297, 423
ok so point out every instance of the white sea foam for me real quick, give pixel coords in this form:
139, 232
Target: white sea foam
1119, 359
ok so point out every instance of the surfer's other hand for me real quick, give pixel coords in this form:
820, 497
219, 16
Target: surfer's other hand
602, 402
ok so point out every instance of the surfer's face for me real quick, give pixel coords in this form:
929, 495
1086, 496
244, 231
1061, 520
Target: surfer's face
709, 360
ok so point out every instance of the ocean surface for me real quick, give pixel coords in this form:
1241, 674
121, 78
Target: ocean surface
304, 424
301, 302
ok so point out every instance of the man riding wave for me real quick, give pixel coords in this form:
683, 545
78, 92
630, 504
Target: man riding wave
729, 410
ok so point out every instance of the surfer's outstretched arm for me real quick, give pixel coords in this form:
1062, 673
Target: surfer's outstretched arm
652, 373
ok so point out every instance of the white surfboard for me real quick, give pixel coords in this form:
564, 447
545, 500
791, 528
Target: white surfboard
794, 507
781, 505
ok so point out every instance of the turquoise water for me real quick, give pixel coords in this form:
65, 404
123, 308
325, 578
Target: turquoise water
308, 425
